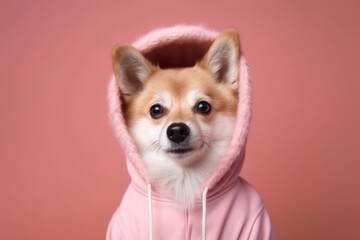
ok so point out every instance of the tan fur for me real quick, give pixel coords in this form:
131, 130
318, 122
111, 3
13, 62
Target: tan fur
179, 82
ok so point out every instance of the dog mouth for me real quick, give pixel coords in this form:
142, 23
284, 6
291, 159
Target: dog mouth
180, 150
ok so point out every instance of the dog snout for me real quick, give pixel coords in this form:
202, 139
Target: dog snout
178, 132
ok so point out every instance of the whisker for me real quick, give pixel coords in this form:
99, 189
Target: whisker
211, 142
154, 146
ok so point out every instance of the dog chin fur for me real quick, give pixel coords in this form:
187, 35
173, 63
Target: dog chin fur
183, 175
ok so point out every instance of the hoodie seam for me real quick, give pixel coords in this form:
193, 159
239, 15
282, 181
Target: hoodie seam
256, 219
165, 199
221, 193
137, 189
187, 226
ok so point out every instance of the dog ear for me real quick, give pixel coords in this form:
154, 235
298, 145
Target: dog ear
222, 58
131, 69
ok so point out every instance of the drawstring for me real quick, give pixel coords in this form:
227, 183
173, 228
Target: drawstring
204, 213
151, 227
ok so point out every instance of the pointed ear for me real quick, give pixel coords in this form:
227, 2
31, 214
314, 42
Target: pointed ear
222, 59
131, 69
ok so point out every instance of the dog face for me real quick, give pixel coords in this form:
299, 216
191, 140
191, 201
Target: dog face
180, 114
180, 118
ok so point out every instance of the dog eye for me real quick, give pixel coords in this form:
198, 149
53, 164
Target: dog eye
203, 107
156, 111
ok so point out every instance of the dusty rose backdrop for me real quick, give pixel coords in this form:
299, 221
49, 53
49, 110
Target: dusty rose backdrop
61, 170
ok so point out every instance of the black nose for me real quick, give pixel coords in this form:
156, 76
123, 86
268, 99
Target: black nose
177, 132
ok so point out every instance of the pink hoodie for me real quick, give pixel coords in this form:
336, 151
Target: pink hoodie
230, 207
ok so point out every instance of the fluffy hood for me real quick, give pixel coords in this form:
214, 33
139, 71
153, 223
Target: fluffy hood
161, 47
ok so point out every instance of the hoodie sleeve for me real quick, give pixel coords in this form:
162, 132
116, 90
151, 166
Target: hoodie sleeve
261, 229
114, 231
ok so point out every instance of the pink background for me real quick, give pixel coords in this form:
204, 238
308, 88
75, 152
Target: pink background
62, 174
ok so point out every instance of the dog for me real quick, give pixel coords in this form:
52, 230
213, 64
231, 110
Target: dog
181, 119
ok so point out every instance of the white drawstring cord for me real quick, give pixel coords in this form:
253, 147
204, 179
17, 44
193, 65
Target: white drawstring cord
204, 213
151, 227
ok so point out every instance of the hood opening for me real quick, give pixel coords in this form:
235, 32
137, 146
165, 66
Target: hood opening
175, 47
178, 54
